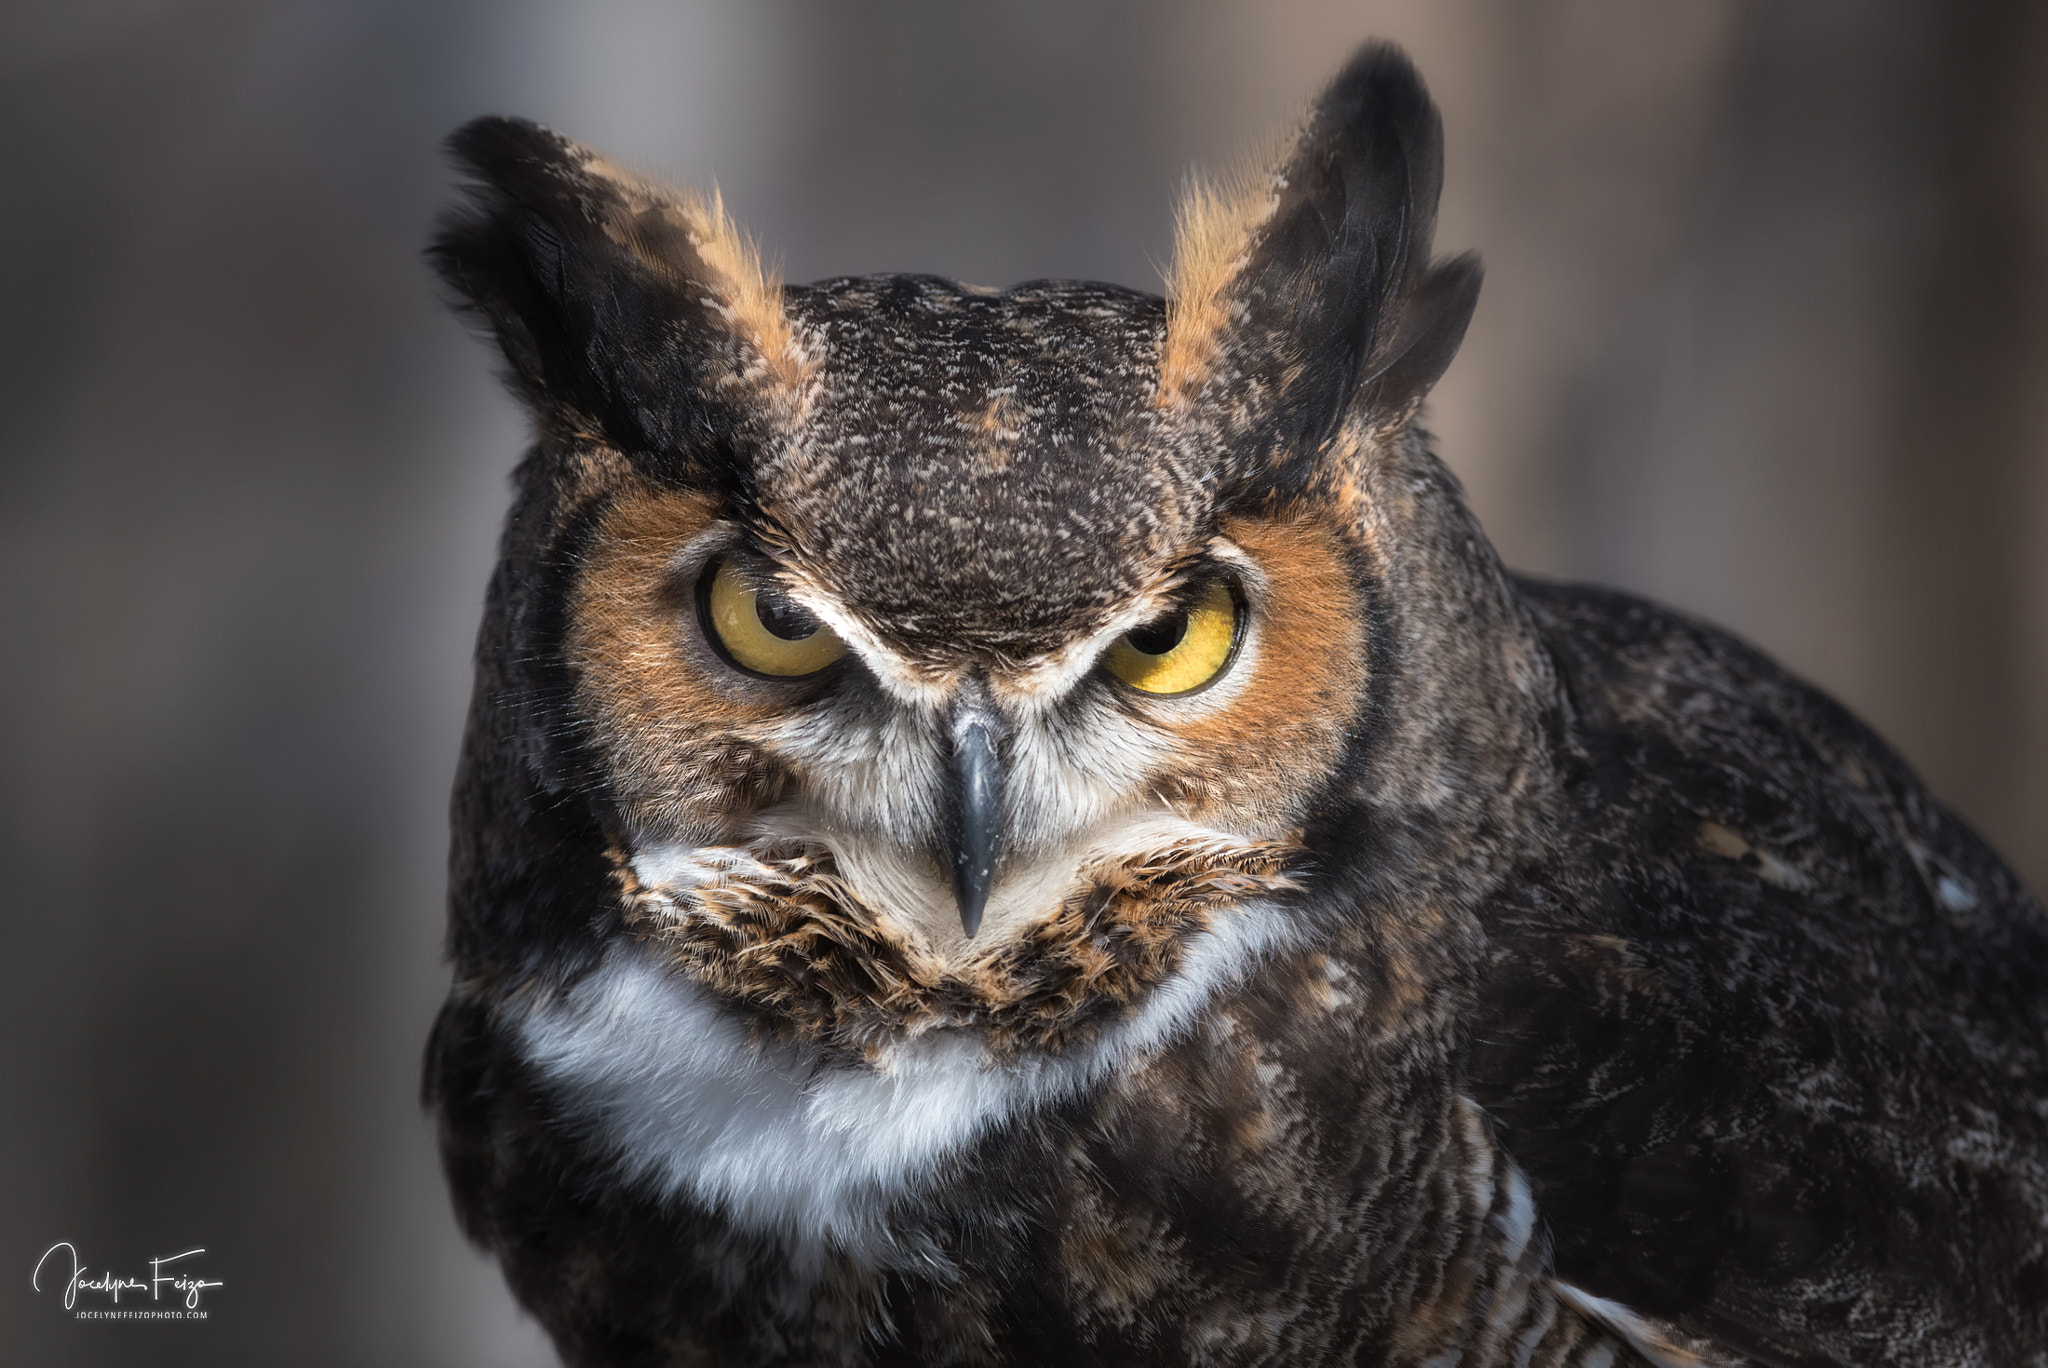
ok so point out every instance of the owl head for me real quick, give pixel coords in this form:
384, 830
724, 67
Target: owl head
890, 652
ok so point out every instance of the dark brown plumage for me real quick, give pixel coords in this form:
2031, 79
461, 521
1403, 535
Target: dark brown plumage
1462, 970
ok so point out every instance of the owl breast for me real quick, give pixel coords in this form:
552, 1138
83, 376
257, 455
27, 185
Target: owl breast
791, 1142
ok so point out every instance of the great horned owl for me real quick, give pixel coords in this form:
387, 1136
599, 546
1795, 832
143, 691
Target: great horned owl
1030, 827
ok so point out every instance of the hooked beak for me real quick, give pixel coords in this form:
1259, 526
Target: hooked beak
974, 809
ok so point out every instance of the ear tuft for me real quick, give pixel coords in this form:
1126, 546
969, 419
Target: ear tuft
1432, 322
750, 291
1215, 224
1300, 294
620, 305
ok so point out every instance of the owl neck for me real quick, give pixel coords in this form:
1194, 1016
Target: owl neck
1457, 760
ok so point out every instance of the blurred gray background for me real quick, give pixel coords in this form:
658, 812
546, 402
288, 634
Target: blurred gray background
1762, 336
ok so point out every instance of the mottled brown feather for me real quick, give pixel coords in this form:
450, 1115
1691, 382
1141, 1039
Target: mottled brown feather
793, 944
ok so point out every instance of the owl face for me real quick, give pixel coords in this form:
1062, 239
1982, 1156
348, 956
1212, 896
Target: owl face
744, 701
964, 632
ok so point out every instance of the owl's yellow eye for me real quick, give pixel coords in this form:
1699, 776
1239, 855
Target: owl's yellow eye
763, 629
1182, 651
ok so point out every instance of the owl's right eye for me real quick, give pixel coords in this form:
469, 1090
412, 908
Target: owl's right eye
761, 629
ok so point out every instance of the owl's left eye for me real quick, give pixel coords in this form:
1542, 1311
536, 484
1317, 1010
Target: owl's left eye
1184, 650
761, 629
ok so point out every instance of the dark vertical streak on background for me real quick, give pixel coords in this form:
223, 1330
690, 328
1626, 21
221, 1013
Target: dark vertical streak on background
1970, 370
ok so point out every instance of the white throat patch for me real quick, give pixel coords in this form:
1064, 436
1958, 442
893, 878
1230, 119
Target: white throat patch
782, 1144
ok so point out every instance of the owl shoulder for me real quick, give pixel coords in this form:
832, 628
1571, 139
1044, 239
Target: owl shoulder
1768, 1026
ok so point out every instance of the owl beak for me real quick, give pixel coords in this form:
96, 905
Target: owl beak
974, 810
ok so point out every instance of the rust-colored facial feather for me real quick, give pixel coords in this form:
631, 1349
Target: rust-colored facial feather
681, 739
790, 941
1253, 764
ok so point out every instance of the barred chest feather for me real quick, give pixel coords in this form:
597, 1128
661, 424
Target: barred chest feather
858, 1174
787, 1140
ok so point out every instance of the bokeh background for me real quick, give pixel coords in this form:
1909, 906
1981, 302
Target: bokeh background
1764, 335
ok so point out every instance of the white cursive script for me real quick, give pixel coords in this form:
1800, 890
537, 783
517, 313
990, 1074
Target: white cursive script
179, 1284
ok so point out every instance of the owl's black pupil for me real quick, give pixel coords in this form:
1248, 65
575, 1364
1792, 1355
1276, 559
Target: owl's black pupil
1157, 638
783, 617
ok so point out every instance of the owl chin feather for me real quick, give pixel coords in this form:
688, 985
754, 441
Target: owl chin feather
830, 942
